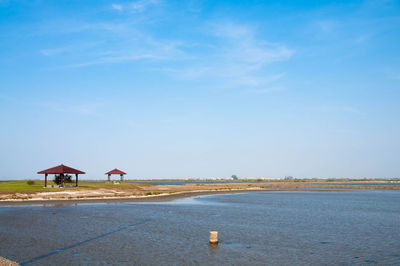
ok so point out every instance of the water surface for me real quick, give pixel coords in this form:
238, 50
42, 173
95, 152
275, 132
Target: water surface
363, 184
282, 228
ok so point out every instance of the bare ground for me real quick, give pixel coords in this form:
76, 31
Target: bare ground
138, 192
6, 262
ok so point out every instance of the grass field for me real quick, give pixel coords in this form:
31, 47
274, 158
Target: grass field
23, 186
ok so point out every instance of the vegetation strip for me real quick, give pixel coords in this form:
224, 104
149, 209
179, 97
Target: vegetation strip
34, 191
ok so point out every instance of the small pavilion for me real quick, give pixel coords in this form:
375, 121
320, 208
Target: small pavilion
116, 172
61, 170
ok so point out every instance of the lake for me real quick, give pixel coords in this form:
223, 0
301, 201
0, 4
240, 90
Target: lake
285, 228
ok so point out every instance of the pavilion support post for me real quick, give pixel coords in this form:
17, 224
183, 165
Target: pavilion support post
109, 178
62, 180
76, 180
122, 178
45, 180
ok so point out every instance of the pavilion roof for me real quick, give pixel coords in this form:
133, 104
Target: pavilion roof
115, 172
61, 169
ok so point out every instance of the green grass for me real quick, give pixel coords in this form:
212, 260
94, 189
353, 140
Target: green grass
21, 187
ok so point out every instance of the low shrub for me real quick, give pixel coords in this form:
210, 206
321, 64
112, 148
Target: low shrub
67, 179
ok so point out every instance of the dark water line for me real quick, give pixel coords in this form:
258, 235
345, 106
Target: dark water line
83, 242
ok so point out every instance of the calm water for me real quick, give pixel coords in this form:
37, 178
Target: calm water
366, 184
282, 228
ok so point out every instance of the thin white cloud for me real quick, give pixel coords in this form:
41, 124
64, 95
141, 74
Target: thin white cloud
363, 38
144, 49
117, 7
238, 58
136, 6
141, 5
113, 59
326, 26
241, 45
78, 47
230, 30
229, 55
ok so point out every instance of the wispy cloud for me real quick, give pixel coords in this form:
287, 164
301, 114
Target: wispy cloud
69, 49
141, 5
147, 50
228, 54
237, 58
326, 26
242, 46
136, 6
116, 42
117, 7
112, 59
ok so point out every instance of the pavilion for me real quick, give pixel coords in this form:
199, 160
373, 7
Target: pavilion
115, 172
61, 170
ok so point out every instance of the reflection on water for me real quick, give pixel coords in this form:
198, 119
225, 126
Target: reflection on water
197, 200
254, 228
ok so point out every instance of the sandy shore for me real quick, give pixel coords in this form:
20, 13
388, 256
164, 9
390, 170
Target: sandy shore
153, 198
131, 192
6, 262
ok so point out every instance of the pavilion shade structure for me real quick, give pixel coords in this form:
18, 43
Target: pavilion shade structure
61, 170
115, 172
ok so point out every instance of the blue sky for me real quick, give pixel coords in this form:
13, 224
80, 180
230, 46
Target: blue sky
177, 89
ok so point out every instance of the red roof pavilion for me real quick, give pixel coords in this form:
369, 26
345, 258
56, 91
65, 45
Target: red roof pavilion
115, 172
61, 170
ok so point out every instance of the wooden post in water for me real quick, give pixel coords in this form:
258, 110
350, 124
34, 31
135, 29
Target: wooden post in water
213, 237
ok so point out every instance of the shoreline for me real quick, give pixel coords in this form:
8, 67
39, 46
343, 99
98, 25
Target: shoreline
7, 262
153, 198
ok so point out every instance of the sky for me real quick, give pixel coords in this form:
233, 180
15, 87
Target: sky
196, 89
